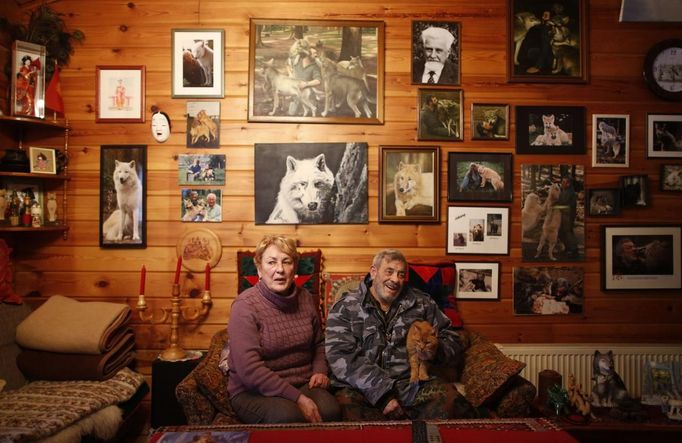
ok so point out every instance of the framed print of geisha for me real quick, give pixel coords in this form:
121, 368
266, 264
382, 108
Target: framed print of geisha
28, 79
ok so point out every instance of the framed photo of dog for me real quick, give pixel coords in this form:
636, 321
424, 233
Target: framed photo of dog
440, 115
197, 63
548, 290
120, 94
332, 71
610, 140
123, 201
479, 177
641, 257
203, 124
550, 130
664, 135
477, 230
547, 41
409, 190
603, 201
671, 177
489, 121
477, 280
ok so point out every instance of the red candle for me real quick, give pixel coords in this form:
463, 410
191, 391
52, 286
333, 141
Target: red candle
143, 276
207, 283
177, 271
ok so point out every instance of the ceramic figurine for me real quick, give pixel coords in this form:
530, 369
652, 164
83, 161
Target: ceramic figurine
51, 207
3, 203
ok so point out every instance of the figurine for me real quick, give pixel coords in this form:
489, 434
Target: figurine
3, 203
579, 400
51, 207
36, 215
675, 409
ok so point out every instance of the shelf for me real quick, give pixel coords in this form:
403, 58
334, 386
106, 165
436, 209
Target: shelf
29, 228
33, 175
27, 122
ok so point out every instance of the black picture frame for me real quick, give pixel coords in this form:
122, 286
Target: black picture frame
634, 191
465, 176
603, 202
450, 74
542, 130
128, 163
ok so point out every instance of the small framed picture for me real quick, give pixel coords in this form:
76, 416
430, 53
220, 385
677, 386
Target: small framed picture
477, 230
548, 290
28, 79
478, 280
120, 94
671, 178
201, 169
436, 53
197, 63
201, 205
634, 191
603, 202
664, 135
550, 130
610, 140
440, 115
479, 176
489, 121
203, 124
43, 160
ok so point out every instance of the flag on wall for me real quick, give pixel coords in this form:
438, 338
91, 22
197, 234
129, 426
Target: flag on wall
53, 95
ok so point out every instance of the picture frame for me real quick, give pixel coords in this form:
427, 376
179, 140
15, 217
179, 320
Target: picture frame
201, 205
489, 121
534, 59
603, 202
356, 47
641, 257
436, 45
409, 186
203, 124
202, 169
550, 130
610, 140
123, 228
548, 290
42, 160
120, 94
315, 165
634, 191
197, 63
439, 115
477, 230
28, 79
671, 177
467, 171
477, 281
664, 135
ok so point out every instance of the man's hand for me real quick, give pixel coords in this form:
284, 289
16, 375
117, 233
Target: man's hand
309, 409
393, 410
319, 380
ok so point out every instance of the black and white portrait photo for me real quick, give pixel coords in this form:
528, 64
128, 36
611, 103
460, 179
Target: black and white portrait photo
435, 53
610, 140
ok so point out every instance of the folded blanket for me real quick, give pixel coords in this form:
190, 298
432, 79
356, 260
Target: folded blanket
46, 365
62, 324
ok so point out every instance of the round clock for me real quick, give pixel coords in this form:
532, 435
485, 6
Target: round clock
663, 69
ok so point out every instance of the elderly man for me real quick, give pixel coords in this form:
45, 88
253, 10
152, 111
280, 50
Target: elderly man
435, 66
213, 212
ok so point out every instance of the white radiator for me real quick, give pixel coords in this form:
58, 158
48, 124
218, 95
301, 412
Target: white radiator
577, 359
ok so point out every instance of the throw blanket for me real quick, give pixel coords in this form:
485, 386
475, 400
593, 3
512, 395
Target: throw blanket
41, 408
45, 365
62, 324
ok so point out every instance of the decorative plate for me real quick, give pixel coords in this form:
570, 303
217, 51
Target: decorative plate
198, 247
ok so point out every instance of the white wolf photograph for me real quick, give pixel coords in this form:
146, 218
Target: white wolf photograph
197, 63
311, 183
316, 71
122, 213
550, 130
548, 290
610, 140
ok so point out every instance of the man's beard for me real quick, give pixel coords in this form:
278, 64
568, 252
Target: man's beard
432, 65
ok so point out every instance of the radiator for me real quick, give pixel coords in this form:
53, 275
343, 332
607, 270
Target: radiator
577, 359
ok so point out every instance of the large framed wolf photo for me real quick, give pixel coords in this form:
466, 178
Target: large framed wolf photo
316, 71
123, 190
197, 63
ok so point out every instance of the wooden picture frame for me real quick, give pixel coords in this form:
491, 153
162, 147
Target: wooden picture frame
197, 63
436, 45
123, 180
483, 176
489, 121
610, 140
120, 94
203, 124
663, 135
532, 58
671, 178
603, 202
355, 47
477, 281
544, 130
477, 230
641, 257
439, 114
43, 160
548, 290
409, 190
28, 79
634, 191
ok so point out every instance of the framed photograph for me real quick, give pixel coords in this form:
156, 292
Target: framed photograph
603, 202
22, 189
489, 121
477, 230
123, 197
479, 176
201, 169
197, 63
311, 183
478, 280
664, 135
120, 94
440, 115
409, 190
28, 79
294, 67
436, 53
201, 205
203, 124
550, 130
552, 213
547, 41
548, 290
641, 257
610, 140
635, 191
671, 178
43, 160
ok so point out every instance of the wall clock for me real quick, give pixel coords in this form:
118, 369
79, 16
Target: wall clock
663, 69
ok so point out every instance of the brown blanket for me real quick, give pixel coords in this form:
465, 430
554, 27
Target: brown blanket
45, 365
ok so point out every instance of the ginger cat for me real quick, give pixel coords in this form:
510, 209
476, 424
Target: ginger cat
422, 343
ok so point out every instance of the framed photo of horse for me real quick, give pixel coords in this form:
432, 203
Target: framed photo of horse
316, 71
197, 63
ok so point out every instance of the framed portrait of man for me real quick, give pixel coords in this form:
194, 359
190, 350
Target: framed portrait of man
435, 53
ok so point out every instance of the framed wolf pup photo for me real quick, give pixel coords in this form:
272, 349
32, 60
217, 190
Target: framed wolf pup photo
550, 130
664, 135
489, 121
610, 140
436, 48
440, 115
479, 176
123, 196
477, 280
203, 124
671, 178
477, 230
548, 290
409, 190
197, 63
120, 94
547, 41
316, 71
28, 79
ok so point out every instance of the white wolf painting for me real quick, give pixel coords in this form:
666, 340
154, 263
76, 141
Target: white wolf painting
124, 222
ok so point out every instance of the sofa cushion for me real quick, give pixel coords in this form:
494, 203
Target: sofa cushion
337, 284
211, 381
517, 399
438, 280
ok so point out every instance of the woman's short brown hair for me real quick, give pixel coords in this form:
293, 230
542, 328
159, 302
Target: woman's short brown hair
284, 243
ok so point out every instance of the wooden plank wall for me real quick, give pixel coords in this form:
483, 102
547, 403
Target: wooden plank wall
139, 32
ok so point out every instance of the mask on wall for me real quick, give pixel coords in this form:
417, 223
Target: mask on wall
161, 126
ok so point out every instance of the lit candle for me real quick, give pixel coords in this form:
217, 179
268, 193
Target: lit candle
177, 271
143, 276
207, 283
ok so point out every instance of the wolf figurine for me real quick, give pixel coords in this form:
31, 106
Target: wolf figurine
609, 389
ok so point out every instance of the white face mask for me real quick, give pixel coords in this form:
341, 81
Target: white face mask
160, 127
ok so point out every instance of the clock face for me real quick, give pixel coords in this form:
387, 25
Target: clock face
667, 69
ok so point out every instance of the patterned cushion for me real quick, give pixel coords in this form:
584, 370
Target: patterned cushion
210, 379
335, 285
437, 280
517, 399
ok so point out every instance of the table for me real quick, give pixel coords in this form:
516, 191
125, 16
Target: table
166, 411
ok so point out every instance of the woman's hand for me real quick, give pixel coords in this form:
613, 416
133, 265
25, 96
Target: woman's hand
319, 380
309, 409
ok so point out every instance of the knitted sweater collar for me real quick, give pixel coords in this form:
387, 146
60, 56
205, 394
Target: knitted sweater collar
281, 302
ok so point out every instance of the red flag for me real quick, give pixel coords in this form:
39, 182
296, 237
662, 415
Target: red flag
53, 95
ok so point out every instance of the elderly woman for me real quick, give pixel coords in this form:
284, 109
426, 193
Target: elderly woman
278, 370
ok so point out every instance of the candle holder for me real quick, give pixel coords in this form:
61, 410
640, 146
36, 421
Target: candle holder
175, 312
